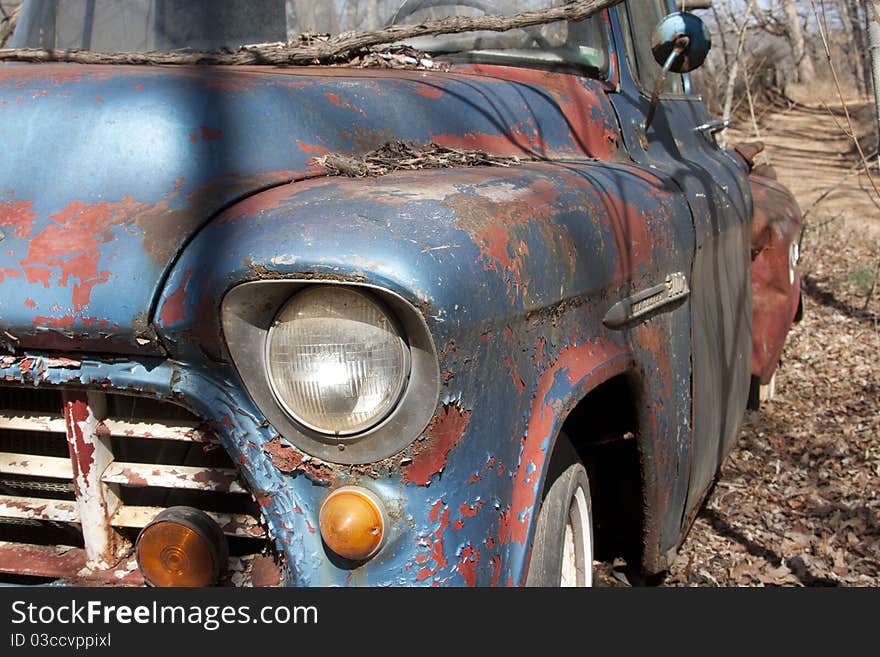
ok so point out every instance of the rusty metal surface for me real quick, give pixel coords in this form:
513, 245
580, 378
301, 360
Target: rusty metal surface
90, 454
106, 489
716, 189
514, 271
776, 281
185, 143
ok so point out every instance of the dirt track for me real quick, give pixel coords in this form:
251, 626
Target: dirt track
798, 500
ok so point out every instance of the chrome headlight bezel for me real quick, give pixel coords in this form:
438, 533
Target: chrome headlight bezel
248, 312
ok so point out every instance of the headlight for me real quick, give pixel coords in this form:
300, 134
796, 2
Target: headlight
336, 361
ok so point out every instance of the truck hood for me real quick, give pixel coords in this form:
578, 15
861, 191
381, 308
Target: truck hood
107, 172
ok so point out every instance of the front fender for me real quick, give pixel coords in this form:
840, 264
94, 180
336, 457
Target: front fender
513, 270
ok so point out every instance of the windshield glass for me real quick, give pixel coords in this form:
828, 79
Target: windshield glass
147, 25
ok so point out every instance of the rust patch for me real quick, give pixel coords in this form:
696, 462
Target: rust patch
210, 134
290, 461
265, 572
576, 363
134, 478
173, 308
285, 458
443, 434
500, 220
366, 140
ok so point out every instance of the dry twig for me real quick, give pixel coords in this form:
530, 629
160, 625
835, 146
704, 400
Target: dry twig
400, 156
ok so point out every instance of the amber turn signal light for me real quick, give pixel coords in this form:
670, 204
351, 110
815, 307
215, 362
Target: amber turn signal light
182, 546
352, 523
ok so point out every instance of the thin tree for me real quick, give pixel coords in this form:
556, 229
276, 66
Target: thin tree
795, 34
873, 7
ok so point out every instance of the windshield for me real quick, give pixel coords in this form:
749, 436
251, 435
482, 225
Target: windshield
149, 25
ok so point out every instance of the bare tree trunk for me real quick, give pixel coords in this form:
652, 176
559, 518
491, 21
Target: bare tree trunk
306, 19
858, 35
802, 59
873, 9
373, 20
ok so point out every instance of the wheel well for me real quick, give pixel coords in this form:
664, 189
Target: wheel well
603, 429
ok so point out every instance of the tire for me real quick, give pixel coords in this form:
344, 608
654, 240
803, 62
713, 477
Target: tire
562, 552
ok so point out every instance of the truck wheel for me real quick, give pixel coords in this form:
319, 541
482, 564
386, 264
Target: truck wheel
562, 552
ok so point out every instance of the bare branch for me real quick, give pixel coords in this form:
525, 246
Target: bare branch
691, 5
840, 94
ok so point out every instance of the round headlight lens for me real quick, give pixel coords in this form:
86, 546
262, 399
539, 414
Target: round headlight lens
337, 362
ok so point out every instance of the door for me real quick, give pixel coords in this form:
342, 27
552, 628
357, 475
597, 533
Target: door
716, 187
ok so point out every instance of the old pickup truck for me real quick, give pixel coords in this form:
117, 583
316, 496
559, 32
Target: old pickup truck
221, 364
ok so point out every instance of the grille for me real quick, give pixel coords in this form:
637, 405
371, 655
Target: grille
82, 472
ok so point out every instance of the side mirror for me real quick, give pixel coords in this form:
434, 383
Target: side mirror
682, 38
680, 43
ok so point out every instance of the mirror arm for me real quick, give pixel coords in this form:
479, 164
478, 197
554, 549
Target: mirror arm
681, 45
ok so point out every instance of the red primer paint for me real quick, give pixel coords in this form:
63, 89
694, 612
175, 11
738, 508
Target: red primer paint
312, 149
334, 98
578, 102
467, 565
435, 510
57, 322
495, 563
515, 376
173, 308
30, 303
210, 134
429, 91
444, 432
436, 544
9, 273
69, 246
76, 410
18, 215
539, 351
466, 511
601, 359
